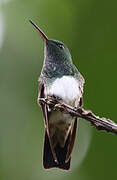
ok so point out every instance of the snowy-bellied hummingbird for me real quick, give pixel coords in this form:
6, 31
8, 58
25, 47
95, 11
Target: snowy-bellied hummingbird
60, 79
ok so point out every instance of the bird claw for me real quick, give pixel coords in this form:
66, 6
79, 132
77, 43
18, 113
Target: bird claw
55, 98
86, 112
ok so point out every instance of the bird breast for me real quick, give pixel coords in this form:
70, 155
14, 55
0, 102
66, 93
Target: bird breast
67, 88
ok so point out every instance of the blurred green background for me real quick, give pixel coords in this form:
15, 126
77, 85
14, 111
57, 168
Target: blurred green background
89, 29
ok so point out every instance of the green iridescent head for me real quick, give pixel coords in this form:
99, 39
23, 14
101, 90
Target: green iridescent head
55, 50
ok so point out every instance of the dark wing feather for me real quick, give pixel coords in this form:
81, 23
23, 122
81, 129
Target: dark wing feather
72, 140
73, 135
48, 159
41, 95
46, 115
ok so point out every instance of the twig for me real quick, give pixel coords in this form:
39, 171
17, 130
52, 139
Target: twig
100, 123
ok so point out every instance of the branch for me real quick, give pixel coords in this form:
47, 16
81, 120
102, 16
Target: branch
100, 123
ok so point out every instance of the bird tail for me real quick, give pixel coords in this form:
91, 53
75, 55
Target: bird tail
61, 153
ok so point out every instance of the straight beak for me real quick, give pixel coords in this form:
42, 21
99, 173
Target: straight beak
45, 38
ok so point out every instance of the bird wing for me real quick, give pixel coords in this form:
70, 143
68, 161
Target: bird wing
73, 132
46, 115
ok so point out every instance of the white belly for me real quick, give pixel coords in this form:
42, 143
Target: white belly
67, 88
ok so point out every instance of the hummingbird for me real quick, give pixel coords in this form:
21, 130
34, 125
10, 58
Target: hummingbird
59, 79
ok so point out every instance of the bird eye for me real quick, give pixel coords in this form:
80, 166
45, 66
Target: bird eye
61, 46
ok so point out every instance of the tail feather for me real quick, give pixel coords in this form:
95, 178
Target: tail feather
48, 160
